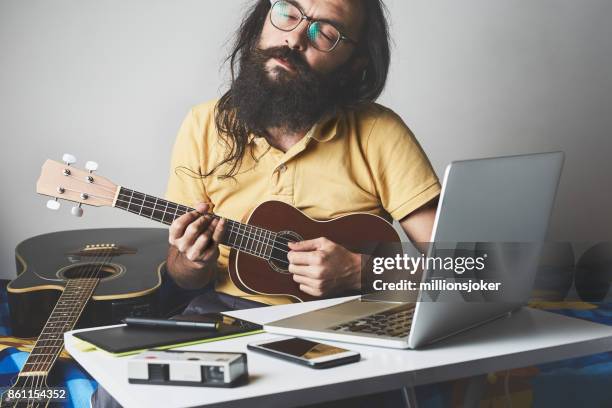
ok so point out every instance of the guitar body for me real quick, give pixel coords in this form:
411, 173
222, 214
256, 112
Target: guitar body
128, 286
358, 232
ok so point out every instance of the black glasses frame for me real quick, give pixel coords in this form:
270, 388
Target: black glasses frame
310, 21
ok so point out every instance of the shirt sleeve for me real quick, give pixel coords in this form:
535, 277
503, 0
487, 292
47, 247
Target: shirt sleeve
185, 183
403, 176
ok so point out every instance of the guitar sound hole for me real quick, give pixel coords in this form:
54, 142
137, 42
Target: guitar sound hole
88, 270
278, 259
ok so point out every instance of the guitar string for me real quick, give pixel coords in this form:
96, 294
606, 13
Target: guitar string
41, 363
37, 363
47, 360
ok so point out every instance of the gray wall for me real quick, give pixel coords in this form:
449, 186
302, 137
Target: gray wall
111, 81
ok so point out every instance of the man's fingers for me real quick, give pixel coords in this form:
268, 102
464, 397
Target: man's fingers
178, 226
195, 229
210, 254
304, 280
202, 208
304, 258
308, 245
205, 238
219, 230
311, 291
303, 270
198, 254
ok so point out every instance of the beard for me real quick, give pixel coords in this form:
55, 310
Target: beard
280, 99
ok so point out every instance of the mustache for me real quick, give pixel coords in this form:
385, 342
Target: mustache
294, 57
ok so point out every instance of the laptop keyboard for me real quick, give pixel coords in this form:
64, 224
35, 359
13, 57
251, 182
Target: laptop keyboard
394, 322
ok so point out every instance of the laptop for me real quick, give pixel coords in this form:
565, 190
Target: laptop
493, 200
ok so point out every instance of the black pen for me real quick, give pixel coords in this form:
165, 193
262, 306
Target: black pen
170, 324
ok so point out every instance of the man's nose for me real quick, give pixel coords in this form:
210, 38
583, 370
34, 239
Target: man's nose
297, 38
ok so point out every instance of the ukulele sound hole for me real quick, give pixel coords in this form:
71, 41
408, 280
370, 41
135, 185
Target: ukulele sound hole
90, 269
278, 259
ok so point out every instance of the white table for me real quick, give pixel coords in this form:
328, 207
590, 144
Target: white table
528, 337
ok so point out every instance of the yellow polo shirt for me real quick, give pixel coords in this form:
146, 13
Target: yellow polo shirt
359, 161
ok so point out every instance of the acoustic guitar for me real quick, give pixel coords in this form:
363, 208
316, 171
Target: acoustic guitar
258, 261
129, 275
55, 287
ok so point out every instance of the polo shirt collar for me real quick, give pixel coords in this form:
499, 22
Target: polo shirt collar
323, 131
327, 128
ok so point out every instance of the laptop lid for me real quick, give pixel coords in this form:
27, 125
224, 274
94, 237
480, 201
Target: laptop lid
492, 201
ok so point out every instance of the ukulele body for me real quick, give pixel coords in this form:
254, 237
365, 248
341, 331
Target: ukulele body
358, 232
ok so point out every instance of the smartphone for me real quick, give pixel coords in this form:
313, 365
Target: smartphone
306, 352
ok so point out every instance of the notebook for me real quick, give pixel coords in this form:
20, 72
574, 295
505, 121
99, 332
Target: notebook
125, 340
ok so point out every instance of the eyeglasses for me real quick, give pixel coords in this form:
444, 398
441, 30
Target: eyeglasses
323, 35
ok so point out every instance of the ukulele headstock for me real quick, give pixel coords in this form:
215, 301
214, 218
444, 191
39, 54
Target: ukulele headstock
63, 181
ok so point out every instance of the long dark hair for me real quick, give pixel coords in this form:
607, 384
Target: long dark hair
364, 86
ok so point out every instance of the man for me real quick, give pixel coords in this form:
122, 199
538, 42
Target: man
298, 125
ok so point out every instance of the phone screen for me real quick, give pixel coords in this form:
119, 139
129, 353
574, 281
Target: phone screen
306, 349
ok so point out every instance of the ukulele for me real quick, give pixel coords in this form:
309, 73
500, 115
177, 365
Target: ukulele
258, 261
78, 282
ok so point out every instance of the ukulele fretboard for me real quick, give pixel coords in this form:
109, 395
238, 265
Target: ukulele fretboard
251, 239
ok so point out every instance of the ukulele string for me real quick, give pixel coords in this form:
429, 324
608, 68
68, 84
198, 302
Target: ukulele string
253, 238
255, 234
88, 194
79, 180
95, 267
144, 200
250, 235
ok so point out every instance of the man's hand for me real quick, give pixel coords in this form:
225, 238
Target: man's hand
194, 249
324, 268
195, 235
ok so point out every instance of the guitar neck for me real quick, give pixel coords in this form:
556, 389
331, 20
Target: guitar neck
63, 318
243, 237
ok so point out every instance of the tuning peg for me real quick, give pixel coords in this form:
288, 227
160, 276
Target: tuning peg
53, 204
77, 211
68, 159
91, 166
